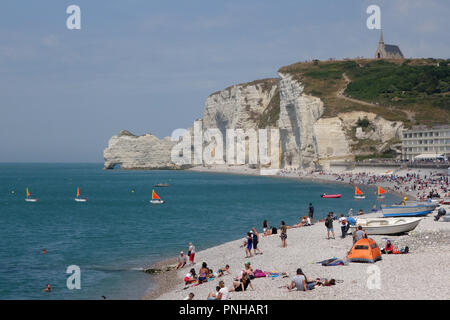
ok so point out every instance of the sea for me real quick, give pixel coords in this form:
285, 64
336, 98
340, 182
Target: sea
112, 237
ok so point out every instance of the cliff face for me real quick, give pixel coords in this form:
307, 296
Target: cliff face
240, 106
298, 114
138, 152
307, 138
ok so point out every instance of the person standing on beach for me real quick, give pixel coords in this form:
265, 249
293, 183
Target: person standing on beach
265, 227
256, 241
343, 222
283, 234
329, 225
249, 244
311, 212
191, 253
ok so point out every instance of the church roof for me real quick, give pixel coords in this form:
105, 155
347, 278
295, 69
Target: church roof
392, 49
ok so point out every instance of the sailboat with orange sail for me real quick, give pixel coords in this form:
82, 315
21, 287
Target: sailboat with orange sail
78, 198
380, 193
359, 194
155, 198
28, 199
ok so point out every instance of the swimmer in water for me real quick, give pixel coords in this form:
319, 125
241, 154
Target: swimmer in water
44, 251
48, 288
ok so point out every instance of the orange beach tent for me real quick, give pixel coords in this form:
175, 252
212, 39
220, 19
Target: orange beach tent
364, 250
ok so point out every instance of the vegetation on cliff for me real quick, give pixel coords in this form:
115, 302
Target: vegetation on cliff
414, 91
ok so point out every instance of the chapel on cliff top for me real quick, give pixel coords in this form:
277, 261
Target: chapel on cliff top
387, 51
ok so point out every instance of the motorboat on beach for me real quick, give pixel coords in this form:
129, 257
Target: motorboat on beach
28, 199
387, 225
156, 199
330, 196
359, 194
407, 209
78, 198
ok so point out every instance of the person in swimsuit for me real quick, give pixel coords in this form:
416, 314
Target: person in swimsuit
222, 271
265, 227
248, 248
256, 241
190, 277
242, 284
283, 234
47, 288
203, 273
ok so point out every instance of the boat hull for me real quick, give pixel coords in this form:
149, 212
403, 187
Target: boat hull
406, 211
386, 226
156, 201
80, 200
360, 197
331, 196
31, 200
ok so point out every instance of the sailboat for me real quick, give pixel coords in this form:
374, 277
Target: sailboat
155, 198
78, 199
28, 199
381, 192
359, 194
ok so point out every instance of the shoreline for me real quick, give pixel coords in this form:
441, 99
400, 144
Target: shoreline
168, 283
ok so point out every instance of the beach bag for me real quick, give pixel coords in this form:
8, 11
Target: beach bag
189, 253
328, 222
259, 274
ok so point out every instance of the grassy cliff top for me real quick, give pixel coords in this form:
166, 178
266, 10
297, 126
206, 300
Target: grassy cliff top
415, 91
265, 84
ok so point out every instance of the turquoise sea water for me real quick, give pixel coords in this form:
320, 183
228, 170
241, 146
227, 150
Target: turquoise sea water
118, 231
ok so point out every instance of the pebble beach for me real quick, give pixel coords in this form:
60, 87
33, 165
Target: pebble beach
423, 273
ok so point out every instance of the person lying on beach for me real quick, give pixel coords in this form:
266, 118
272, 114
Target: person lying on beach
242, 284
181, 260
305, 221
272, 230
324, 282
190, 277
203, 273
221, 271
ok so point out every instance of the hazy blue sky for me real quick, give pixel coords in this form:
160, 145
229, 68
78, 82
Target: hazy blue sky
148, 66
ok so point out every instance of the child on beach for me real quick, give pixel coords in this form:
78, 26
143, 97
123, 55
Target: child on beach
191, 253
222, 271
248, 245
190, 277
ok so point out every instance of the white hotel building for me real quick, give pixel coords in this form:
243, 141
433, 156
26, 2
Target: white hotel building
421, 140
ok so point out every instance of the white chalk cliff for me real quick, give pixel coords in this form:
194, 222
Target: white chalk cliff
306, 138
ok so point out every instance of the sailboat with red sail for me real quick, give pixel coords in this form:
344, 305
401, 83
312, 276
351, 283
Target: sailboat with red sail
359, 194
380, 193
155, 198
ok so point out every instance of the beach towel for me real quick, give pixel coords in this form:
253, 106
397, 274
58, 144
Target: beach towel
332, 262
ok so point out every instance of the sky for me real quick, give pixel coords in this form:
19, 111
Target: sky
148, 66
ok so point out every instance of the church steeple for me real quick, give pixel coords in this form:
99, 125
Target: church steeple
381, 38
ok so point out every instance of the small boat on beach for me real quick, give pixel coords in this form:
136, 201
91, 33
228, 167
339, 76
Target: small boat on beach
78, 199
407, 210
445, 201
330, 196
28, 199
156, 199
387, 225
380, 193
359, 194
